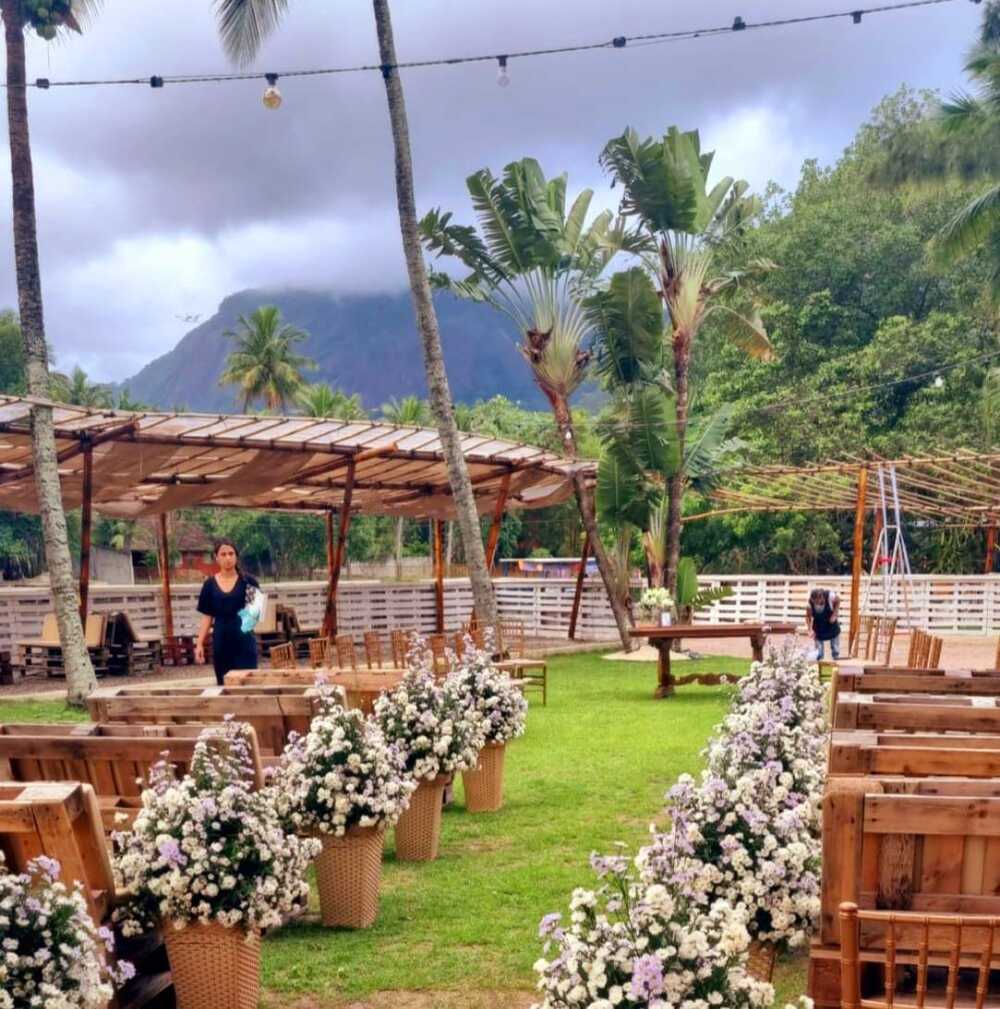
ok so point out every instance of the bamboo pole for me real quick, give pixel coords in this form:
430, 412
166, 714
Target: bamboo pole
991, 546
439, 575
86, 524
857, 558
578, 591
330, 617
168, 605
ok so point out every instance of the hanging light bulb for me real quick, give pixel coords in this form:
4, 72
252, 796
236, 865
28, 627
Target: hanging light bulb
272, 96
503, 78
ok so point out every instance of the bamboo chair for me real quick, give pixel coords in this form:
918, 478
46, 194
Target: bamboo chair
346, 657
916, 644
476, 633
859, 646
373, 649
283, 656
934, 656
881, 640
318, 651
925, 960
534, 671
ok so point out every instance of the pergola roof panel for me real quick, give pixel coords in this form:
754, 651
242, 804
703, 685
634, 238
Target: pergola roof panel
151, 462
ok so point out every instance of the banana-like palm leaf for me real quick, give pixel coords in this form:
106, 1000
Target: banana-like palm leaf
621, 491
687, 582
628, 319
705, 597
708, 448
747, 332
653, 432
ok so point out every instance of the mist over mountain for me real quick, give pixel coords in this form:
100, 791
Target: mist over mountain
366, 344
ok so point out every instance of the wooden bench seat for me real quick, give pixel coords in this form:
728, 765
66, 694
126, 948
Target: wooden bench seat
114, 759
929, 713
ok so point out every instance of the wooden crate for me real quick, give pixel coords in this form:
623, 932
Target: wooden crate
361, 689
273, 711
114, 759
928, 713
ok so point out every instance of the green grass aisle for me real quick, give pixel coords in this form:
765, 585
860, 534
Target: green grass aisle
591, 770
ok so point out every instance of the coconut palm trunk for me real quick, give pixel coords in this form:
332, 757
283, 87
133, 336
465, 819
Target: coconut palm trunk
80, 679
437, 379
585, 502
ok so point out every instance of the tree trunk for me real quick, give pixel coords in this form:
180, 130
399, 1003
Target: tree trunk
677, 483
585, 502
80, 679
449, 543
398, 546
437, 378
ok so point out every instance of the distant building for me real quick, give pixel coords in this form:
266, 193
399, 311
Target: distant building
545, 567
190, 550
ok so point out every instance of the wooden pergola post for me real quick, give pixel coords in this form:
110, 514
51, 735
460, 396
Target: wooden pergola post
857, 558
991, 546
168, 605
439, 575
338, 554
493, 539
578, 592
86, 523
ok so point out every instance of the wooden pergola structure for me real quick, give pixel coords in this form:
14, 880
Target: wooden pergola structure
958, 488
132, 465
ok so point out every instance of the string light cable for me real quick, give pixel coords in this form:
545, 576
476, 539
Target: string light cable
502, 60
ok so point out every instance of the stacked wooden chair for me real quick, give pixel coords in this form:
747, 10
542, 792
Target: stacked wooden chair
875, 639
911, 839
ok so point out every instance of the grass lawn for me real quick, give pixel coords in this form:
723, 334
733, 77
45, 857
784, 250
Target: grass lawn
591, 770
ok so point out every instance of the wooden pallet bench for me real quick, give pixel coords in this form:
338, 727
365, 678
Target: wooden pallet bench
273, 711
930, 713
114, 759
918, 683
861, 753
62, 820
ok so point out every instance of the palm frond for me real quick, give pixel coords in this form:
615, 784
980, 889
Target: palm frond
969, 228
627, 317
747, 332
244, 24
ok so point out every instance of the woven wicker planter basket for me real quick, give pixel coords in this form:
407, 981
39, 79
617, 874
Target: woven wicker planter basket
760, 961
419, 829
348, 877
484, 783
213, 967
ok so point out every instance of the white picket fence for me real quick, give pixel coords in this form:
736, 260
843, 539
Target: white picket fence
941, 603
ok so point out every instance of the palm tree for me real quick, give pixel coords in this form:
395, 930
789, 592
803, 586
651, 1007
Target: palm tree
535, 261
666, 187
126, 402
243, 24
975, 118
320, 400
413, 411
77, 389
264, 364
80, 679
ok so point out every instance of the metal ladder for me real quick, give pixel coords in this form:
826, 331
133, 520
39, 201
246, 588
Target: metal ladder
891, 560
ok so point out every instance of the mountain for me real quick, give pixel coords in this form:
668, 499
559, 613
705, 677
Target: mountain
361, 343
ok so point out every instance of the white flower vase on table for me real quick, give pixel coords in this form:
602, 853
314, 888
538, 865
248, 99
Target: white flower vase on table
657, 606
345, 785
438, 734
181, 864
501, 706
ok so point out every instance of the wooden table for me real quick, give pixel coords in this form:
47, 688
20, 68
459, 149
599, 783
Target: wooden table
662, 638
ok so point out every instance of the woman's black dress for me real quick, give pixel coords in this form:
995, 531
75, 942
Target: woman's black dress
231, 647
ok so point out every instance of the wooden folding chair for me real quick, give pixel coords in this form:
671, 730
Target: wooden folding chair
400, 647
533, 671
283, 656
934, 656
318, 652
346, 657
906, 960
373, 649
438, 644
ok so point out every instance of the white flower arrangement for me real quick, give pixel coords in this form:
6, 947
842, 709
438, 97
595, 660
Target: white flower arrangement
490, 694
206, 848
432, 724
635, 945
748, 831
655, 599
342, 774
51, 954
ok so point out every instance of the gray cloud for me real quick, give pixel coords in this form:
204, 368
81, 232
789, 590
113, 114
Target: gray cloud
154, 204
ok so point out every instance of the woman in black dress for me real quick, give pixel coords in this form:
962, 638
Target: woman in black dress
222, 597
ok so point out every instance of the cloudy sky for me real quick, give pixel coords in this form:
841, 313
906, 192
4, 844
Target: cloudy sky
154, 205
